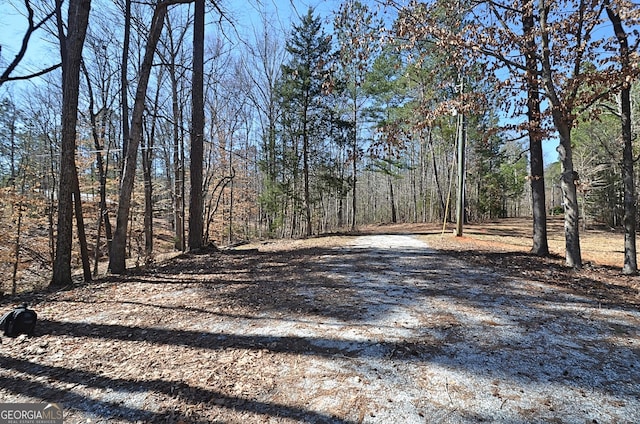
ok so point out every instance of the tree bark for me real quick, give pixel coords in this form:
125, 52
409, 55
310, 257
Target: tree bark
147, 160
178, 162
305, 171
354, 173
569, 193
630, 208
536, 162
124, 80
563, 122
117, 258
102, 173
442, 211
82, 236
196, 205
71, 52
392, 201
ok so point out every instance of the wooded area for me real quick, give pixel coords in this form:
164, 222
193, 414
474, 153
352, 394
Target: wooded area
178, 125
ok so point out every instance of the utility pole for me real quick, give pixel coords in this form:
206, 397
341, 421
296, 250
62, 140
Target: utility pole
461, 139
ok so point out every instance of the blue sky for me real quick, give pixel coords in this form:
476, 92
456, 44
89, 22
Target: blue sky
43, 53
281, 13
40, 52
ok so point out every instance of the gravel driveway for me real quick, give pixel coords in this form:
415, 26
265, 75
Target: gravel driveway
381, 329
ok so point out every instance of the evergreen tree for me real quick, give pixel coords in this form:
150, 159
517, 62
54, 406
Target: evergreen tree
357, 30
305, 80
389, 113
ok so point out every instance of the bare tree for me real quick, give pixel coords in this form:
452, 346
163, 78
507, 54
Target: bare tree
628, 74
71, 51
536, 161
32, 26
196, 205
170, 54
263, 68
117, 258
124, 79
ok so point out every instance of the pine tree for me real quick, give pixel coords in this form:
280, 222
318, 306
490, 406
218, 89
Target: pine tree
304, 83
357, 30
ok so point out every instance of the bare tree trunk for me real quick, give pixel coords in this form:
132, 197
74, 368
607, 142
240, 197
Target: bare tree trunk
563, 123
630, 208
82, 237
117, 259
441, 197
51, 205
178, 166
71, 52
147, 159
124, 80
102, 175
569, 194
147, 165
392, 201
16, 252
539, 209
177, 157
231, 193
196, 205
354, 174
305, 171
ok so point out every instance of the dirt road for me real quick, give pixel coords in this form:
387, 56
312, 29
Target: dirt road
373, 329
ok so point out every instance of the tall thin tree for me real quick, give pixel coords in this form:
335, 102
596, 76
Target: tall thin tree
117, 257
124, 78
304, 79
196, 205
71, 46
357, 31
630, 209
536, 156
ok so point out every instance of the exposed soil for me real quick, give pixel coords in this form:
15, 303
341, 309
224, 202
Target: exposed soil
398, 324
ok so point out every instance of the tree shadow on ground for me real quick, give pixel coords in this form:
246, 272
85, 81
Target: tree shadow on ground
112, 410
467, 318
552, 270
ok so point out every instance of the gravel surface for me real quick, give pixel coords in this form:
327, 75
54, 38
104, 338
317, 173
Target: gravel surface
371, 329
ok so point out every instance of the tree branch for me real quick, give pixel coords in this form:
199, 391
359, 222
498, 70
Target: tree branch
25, 43
4, 79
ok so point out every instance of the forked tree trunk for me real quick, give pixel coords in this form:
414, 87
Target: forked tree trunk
117, 258
563, 122
71, 52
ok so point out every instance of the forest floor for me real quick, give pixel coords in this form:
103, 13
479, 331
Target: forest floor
397, 324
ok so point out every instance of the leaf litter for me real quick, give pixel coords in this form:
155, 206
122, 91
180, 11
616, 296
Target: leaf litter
371, 329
